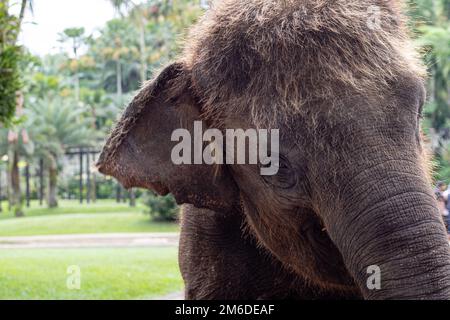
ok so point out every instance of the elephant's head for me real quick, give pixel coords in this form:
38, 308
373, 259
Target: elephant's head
352, 189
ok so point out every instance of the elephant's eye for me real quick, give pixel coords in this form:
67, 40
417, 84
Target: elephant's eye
285, 178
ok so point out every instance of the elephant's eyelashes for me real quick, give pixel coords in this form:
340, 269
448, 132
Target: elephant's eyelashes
285, 177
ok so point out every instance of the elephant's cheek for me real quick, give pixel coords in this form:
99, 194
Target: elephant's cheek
310, 253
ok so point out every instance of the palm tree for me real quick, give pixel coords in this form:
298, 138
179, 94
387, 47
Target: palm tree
15, 145
138, 14
116, 51
58, 125
76, 38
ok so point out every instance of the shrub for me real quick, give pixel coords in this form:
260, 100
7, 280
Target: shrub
161, 208
9, 64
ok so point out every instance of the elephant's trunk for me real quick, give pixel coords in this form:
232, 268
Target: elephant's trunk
390, 223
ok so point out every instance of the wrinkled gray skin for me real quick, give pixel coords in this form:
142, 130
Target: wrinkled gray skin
352, 190
220, 260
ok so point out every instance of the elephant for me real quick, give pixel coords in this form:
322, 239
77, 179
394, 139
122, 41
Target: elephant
353, 190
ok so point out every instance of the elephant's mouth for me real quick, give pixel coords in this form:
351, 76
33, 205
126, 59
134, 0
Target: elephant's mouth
158, 187
130, 179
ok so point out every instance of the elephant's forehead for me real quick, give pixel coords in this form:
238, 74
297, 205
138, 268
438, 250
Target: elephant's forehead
269, 59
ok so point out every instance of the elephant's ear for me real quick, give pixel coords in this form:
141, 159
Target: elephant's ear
139, 150
169, 86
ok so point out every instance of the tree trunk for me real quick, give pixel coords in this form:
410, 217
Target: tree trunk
22, 11
118, 193
88, 178
27, 184
132, 198
124, 194
41, 181
1, 191
52, 184
8, 188
16, 197
23, 7
94, 187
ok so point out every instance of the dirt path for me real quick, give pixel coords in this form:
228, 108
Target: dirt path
91, 241
172, 296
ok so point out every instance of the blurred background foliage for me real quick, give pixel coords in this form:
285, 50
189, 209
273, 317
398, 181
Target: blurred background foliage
431, 27
9, 59
72, 98
161, 208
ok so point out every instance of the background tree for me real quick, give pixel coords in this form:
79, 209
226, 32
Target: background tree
431, 24
116, 53
76, 38
9, 60
14, 146
58, 126
138, 13
10, 96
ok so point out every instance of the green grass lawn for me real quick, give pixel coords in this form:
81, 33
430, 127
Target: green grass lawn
107, 273
73, 218
83, 223
72, 206
124, 273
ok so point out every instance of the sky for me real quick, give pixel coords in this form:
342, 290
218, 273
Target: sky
50, 17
